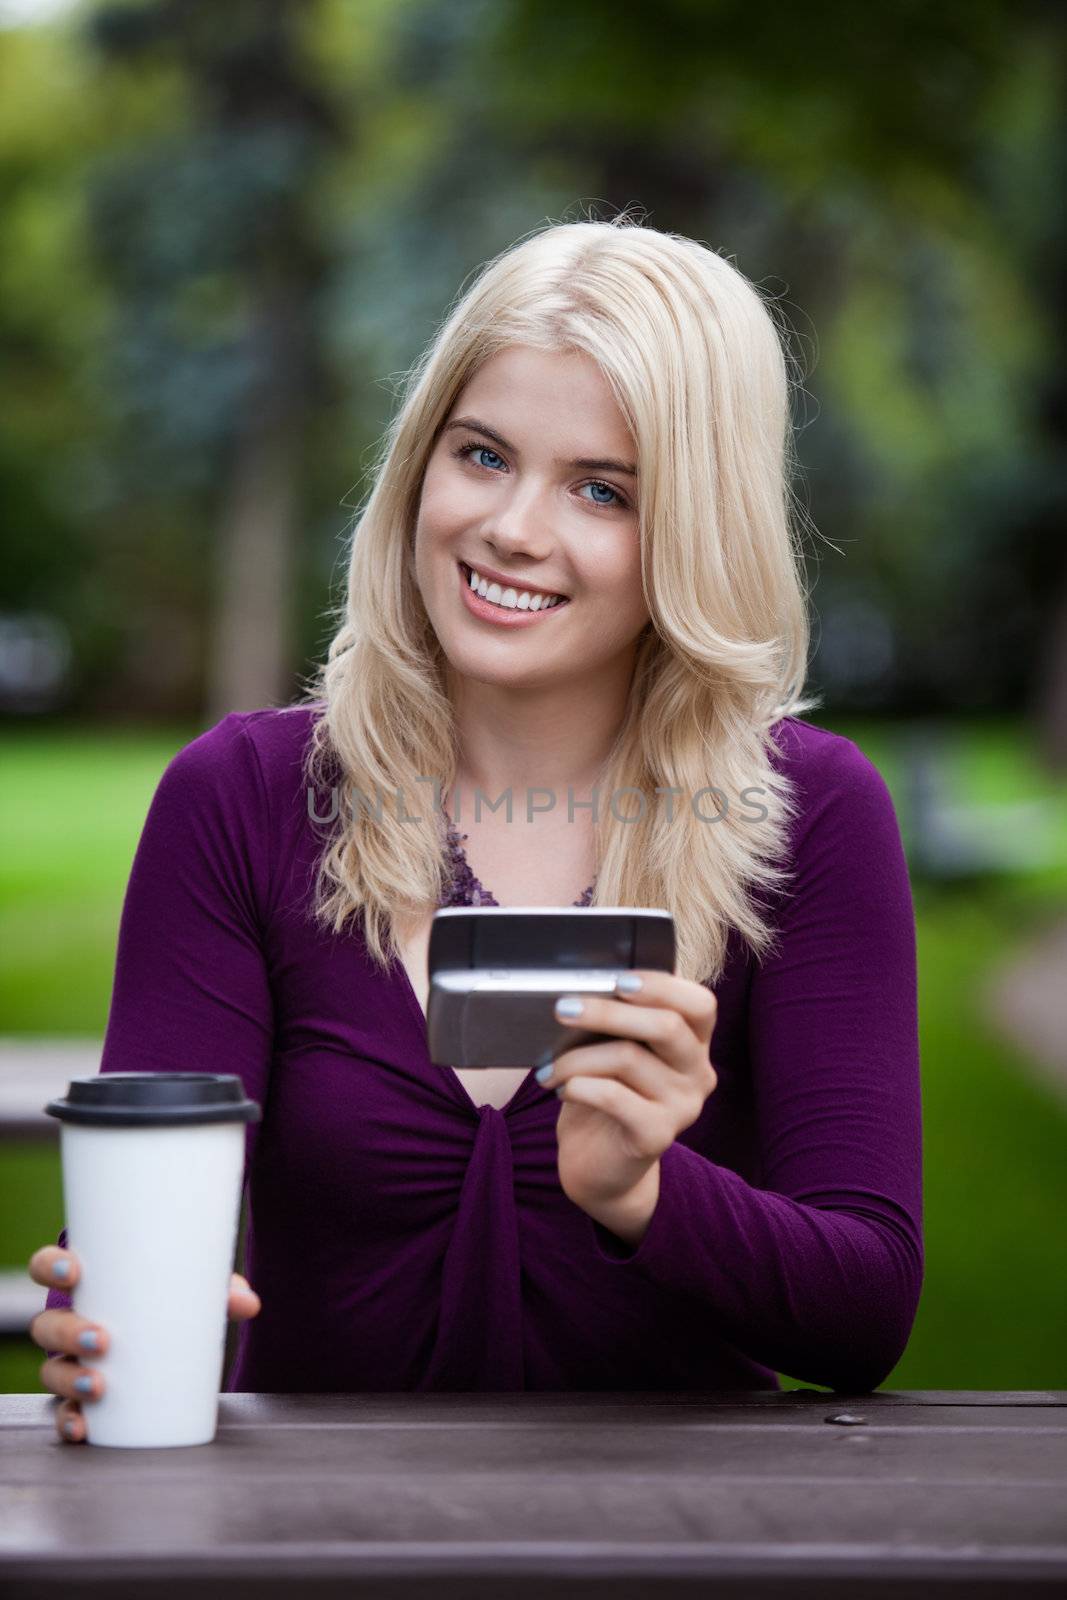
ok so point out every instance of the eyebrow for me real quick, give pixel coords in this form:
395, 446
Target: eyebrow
587, 464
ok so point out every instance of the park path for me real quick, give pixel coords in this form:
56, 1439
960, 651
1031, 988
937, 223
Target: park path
1025, 1001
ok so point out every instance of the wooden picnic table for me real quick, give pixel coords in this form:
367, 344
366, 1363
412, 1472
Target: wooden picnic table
34, 1071
512, 1496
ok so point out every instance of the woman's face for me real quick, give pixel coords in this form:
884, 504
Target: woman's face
538, 496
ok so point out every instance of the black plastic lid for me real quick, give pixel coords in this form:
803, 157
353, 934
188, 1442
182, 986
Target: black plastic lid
156, 1099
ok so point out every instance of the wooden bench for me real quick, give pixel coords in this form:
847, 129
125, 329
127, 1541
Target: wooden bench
32, 1072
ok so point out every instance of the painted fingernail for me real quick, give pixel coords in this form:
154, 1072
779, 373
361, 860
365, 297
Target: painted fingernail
84, 1384
70, 1429
544, 1073
629, 983
61, 1269
569, 1006
89, 1339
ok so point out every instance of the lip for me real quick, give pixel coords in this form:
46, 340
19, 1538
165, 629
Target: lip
502, 617
509, 583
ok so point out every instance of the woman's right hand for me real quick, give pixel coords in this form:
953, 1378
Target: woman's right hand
56, 1329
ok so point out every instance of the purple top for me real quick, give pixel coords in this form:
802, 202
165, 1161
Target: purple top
403, 1238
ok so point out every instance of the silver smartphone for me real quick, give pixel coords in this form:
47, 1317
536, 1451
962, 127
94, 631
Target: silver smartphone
496, 973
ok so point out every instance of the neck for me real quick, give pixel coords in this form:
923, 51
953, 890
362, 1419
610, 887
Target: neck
536, 740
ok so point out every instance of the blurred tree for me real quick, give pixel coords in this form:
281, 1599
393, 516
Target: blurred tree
51, 311
281, 199
907, 176
207, 234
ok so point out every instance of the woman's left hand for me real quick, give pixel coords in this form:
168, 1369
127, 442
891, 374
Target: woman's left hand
625, 1101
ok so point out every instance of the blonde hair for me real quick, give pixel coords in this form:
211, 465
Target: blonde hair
696, 364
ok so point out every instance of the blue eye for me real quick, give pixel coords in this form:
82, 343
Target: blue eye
473, 448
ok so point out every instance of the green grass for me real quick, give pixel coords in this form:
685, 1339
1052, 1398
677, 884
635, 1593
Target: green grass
31, 1209
994, 1305
72, 805
994, 1308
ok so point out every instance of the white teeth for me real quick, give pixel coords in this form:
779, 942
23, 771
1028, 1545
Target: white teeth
512, 599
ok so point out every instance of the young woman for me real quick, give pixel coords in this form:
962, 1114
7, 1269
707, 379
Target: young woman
578, 576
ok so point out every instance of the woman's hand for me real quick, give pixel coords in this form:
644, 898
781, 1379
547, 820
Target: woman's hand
625, 1102
56, 1329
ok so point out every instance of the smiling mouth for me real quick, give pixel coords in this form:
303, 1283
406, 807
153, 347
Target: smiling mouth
562, 599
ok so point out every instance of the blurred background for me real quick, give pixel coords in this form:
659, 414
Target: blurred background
228, 229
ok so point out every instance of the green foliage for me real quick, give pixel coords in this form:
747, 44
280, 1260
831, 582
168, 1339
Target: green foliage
994, 1305
71, 809
891, 188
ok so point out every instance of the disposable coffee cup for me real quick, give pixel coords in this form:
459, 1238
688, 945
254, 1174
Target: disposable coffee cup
152, 1176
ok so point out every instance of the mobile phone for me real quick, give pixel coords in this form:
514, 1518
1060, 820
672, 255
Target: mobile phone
496, 973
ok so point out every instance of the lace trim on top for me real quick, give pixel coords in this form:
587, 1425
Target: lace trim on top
465, 889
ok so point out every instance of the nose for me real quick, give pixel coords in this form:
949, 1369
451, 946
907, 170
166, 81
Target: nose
523, 519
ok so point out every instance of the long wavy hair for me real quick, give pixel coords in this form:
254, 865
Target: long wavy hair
701, 372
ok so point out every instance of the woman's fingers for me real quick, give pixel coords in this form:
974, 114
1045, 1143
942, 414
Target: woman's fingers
70, 1424
244, 1302
56, 1268
73, 1338
61, 1330
58, 1329
67, 1378
72, 1383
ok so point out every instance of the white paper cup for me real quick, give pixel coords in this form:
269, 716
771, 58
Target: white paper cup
152, 1169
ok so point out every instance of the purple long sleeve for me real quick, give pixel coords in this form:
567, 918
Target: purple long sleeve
816, 1269
402, 1237
190, 992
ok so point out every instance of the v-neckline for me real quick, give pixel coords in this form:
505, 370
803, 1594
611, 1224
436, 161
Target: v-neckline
463, 872
458, 1087
462, 869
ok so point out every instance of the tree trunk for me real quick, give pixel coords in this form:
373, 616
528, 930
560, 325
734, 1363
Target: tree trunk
249, 659
1051, 707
